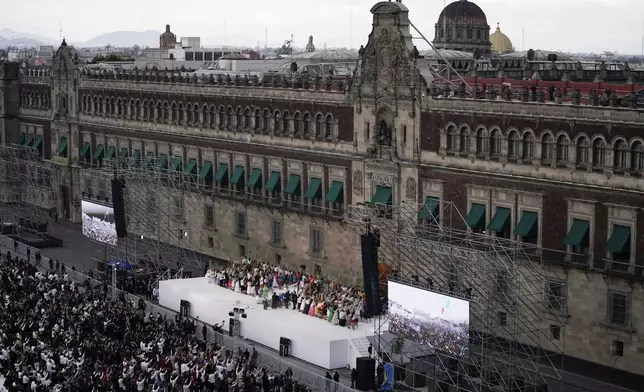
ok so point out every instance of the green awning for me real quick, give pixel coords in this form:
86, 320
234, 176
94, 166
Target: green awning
206, 170
22, 140
500, 220
84, 151
476, 217
430, 210
123, 153
136, 154
62, 145
111, 152
30, 140
620, 240
222, 173
148, 159
293, 185
162, 162
335, 193
382, 195
176, 163
578, 233
528, 225
98, 154
255, 179
274, 182
191, 167
314, 191
38, 141
237, 178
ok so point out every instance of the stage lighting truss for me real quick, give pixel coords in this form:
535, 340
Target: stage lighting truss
165, 213
513, 310
28, 190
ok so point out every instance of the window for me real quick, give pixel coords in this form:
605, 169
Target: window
276, 233
555, 332
556, 296
618, 308
503, 318
316, 244
599, 153
528, 147
209, 216
242, 251
513, 145
211, 242
582, 152
481, 142
562, 149
637, 157
620, 155
495, 144
367, 131
502, 284
240, 223
618, 348
464, 140
404, 134
547, 148
451, 139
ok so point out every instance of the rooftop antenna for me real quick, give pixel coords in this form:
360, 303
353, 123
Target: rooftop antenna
265, 37
522, 38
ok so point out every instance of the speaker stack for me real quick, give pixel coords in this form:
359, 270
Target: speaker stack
366, 369
369, 246
118, 202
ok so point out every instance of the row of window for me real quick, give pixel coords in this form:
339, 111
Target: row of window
300, 124
595, 154
34, 100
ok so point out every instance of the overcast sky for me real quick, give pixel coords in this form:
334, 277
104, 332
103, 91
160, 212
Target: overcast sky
566, 25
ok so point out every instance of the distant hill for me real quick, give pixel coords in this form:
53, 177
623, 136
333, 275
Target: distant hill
9, 37
124, 38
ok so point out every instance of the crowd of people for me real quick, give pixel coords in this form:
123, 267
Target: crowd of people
63, 336
99, 230
298, 290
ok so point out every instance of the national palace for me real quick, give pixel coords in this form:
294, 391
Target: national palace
530, 146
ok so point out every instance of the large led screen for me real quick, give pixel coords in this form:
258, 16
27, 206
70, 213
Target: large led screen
429, 318
98, 222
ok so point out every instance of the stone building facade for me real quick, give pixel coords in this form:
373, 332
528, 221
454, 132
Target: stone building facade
284, 160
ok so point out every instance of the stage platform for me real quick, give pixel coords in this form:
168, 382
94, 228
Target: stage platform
312, 339
40, 241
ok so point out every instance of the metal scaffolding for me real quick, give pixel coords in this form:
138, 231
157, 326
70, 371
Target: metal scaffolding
27, 192
516, 331
165, 213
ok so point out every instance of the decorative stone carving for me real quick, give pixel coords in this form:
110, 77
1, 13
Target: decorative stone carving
410, 188
357, 183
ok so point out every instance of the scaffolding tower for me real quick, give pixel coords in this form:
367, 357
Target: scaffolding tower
165, 208
27, 192
512, 312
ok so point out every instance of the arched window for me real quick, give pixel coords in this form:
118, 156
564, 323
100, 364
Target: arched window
619, 155
166, 112
212, 112
495, 143
328, 128
527, 146
582, 148
174, 112
599, 153
137, 109
562, 149
146, 110
267, 120
230, 117
297, 124
277, 122
307, 125
286, 119
112, 107
222, 117
547, 147
240, 118
101, 107
319, 120
119, 106
451, 139
247, 116
190, 116
481, 142
637, 157
181, 113
513, 144
258, 119
84, 105
464, 135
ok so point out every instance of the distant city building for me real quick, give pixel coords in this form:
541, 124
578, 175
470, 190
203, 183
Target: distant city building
191, 42
463, 26
310, 47
167, 40
500, 42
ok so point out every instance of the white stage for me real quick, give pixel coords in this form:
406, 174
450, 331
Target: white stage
312, 339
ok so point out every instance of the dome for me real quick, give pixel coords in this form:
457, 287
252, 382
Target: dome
500, 42
331, 56
167, 33
463, 12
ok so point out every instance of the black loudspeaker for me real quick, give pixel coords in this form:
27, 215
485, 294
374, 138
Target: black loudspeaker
118, 202
231, 326
366, 369
184, 308
369, 246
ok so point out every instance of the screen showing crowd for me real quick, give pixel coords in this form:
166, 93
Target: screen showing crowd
436, 320
98, 223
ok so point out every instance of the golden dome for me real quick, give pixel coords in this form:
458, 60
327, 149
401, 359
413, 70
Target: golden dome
500, 42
